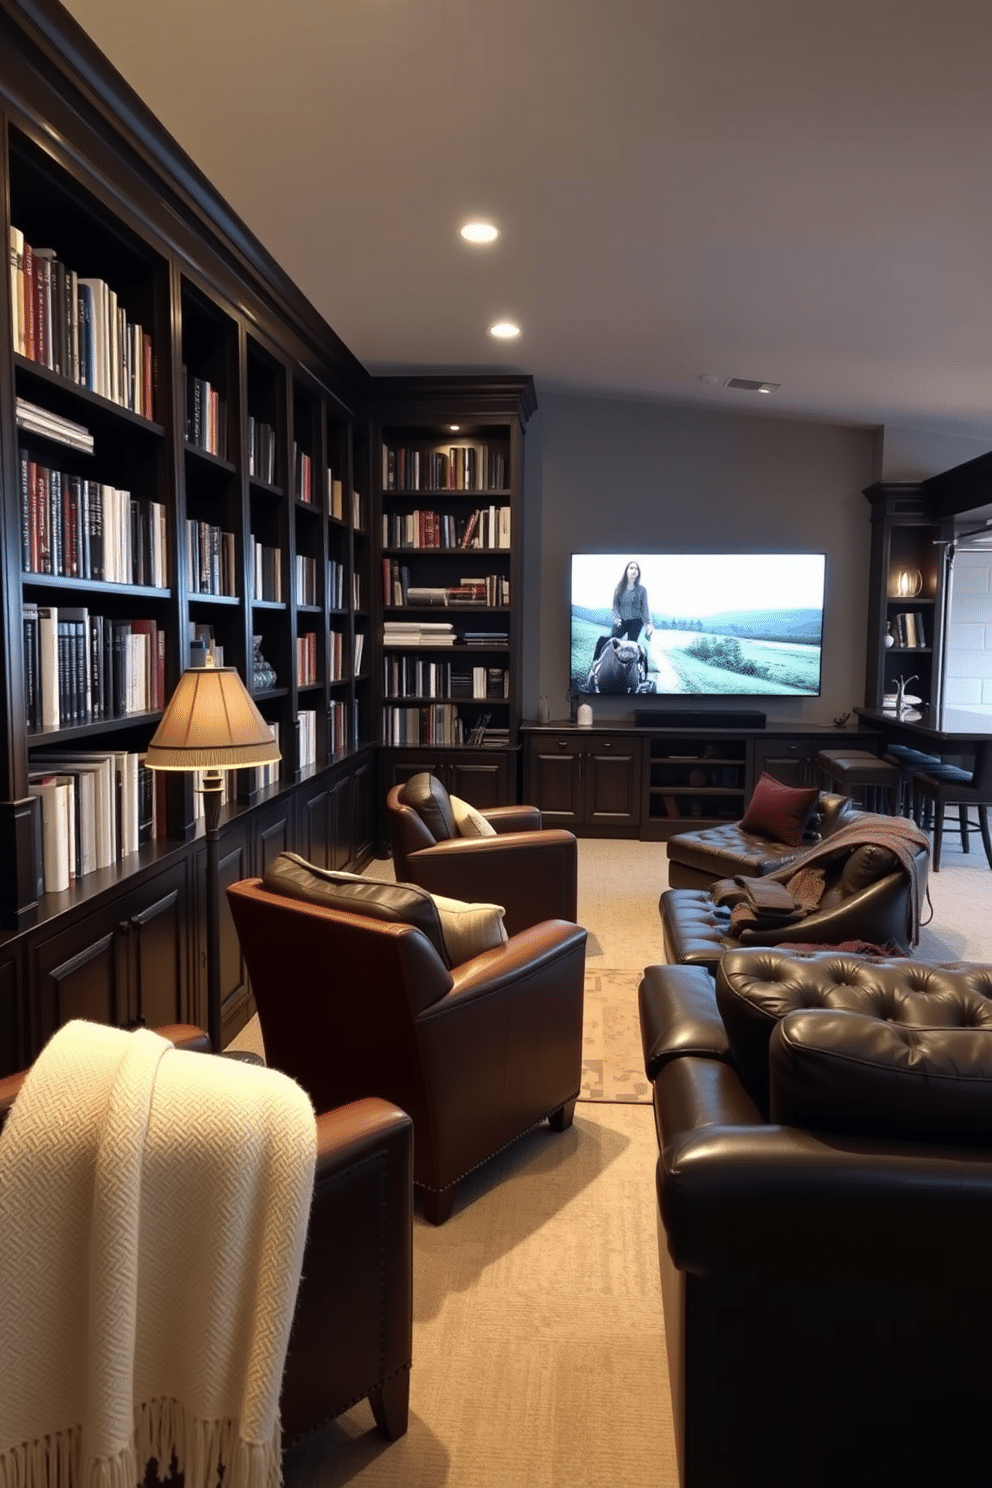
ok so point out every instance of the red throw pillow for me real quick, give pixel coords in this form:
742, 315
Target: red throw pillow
779, 811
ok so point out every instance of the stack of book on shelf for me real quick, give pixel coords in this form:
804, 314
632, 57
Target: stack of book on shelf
306, 580
75, 327
82, 529
306, 658
409, 676
96, 807
335, 497
266, 572
337, 728
302, 475
261, 451
35, 420
206, 415
461, 467
335, 585
306, 730
210, 564
476, 589
265, 775
486, 527
435, 723
487, 637
483, 736
490, 682
908, 629
335, 656
418, 633
80, 668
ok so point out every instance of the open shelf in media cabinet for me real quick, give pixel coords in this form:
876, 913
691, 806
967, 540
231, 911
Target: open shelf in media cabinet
696, 781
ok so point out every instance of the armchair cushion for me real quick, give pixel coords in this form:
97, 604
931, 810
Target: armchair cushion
470, 823
779, 811
836, 1070
457, 930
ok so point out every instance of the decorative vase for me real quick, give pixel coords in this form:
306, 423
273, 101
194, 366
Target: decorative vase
584, 716
543, 710
263, 674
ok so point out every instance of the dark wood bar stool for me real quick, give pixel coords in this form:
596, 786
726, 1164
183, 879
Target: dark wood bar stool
908, 760
941, 786
871, 780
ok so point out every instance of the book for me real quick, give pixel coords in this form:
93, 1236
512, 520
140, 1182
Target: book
48, 665
55, 795
17, 289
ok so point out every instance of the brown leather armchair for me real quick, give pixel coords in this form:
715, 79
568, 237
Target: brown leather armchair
530, 870
477, 1053
352, 1328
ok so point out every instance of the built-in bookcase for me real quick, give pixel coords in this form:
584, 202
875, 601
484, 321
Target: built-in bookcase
448, 473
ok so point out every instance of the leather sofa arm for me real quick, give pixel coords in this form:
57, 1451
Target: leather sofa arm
532, 874
877, 914
678, 1016
739, 1196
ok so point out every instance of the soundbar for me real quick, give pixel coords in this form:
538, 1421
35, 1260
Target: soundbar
699, 718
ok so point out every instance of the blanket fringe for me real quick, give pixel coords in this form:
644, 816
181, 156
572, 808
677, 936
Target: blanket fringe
163, 1430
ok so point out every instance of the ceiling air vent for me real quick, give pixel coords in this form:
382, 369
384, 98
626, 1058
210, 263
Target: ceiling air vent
749, 385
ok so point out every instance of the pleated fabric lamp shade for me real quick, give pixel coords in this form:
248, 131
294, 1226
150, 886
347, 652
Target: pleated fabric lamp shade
211, 723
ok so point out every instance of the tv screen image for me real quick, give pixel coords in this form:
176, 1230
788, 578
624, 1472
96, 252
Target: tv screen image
697, 624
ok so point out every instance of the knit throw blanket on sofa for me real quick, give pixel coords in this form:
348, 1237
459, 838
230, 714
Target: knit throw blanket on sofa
153, 1214
900, 836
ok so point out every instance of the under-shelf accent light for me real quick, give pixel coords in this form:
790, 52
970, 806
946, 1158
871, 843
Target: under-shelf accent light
211, 724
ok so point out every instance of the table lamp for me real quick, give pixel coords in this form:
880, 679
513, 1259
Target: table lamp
211, 724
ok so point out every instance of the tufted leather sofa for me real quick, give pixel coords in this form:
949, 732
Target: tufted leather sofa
698, 859
824, 1187
868, 898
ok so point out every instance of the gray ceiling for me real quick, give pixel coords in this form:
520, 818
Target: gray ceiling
790, 190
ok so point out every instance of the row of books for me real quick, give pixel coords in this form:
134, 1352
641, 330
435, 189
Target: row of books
907, 629
462, 467
306, 580
266, 572
413, 676
433, 723
302, 474
82, 668
76, 327
306, 729
337, 728
479, 589
261, 451
265, 775
335, 584
83, 529
306, 659
210, 559
485, 527
96, 807
416, 633
206, 415
33, 419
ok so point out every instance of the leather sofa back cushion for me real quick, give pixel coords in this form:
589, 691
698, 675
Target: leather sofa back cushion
779, 811
851, 1073
756, 988
425, 795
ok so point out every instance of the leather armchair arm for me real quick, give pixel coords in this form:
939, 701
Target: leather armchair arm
530, 951
514, 818
532, 874
358, 1267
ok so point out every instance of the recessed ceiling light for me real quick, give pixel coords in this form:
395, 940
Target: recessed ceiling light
711, 379
752, 385
504, 330
454, 428
479, 232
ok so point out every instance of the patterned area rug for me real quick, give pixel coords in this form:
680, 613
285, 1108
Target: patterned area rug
612, 1062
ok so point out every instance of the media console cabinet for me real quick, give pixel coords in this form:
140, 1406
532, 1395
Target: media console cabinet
627, 780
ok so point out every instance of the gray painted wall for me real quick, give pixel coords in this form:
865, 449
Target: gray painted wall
612, 476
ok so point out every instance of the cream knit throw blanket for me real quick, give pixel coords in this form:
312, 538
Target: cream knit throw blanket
153, 1213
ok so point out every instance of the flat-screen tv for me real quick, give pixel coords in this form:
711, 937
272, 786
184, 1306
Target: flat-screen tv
722, 625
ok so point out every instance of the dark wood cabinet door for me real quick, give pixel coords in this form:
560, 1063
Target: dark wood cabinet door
158, 944
13, 1055
81, 973
554, 780
363, 813
788, 760
341, 811
315, 823
480, 780
273, 832
612, 769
